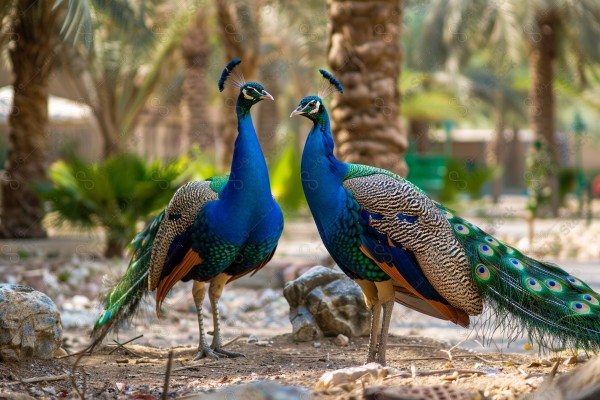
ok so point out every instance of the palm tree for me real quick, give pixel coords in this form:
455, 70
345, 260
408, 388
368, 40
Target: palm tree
33, 28
239, 32
119, 71
363, 50
547, 31
197, 127
555, 29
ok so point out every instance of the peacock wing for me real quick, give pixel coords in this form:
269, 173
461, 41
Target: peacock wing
410, 220
411, 286
171, 250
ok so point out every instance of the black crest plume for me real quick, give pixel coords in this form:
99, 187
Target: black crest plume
236, 80
332, 84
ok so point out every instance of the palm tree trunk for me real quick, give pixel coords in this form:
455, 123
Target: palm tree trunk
419, 132
239, 33
31, 57
268, 118
496, 148
364, 52
197, 127
541, 95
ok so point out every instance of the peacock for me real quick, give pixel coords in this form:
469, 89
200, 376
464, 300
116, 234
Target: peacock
400, 246
214, 231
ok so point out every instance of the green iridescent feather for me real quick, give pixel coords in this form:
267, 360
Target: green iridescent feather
217, 183
122, 301
529, 297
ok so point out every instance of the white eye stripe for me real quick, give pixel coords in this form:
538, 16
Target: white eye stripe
316, 109
246, 95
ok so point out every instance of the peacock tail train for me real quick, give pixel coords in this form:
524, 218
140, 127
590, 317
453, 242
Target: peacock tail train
123, 300
529, 297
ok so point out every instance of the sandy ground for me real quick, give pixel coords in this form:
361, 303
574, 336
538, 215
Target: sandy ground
69, 270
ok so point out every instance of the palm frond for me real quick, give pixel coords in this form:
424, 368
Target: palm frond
78, 21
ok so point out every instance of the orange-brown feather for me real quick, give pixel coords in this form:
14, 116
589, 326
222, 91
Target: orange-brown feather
190, 260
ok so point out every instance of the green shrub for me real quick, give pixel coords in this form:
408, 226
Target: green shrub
286, 183
115, 194
464, 178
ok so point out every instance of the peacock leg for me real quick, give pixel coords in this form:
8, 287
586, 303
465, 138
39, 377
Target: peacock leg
385, 327
374, 337
386, 295
214, 294
369, 290
198, 292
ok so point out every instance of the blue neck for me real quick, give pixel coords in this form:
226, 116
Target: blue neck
248, 187
322, 173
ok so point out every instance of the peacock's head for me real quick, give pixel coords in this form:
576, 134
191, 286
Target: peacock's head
254, 92
312, 107
250, 92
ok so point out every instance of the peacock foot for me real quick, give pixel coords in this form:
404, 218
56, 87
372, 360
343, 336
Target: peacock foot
372, 355
380, 359
227, 353
204, 352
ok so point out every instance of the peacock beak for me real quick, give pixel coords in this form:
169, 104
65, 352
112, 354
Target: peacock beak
266, 95
297, 111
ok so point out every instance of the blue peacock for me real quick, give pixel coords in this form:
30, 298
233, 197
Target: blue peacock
214, 231
401, 246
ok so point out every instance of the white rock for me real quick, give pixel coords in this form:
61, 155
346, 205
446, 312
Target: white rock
349, 375
341, 340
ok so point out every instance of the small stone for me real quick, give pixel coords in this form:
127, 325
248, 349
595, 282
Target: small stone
120, 386
316, 345
252, 339
122, 361
341, 340
50, 390
264, 343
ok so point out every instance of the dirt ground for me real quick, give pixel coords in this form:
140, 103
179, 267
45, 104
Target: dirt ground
71, 273
138, 372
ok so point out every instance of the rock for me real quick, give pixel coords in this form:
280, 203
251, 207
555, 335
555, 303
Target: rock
582, 383
295, 292
326, 300
252, 339
30, 324
341, 340
410, 392
317, 345
339, 307
348, 375
304, 327
259, 390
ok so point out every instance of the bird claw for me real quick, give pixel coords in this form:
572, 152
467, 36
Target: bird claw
226, 353
204, 352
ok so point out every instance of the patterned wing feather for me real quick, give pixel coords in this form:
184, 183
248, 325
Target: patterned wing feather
180, 214
412, 221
